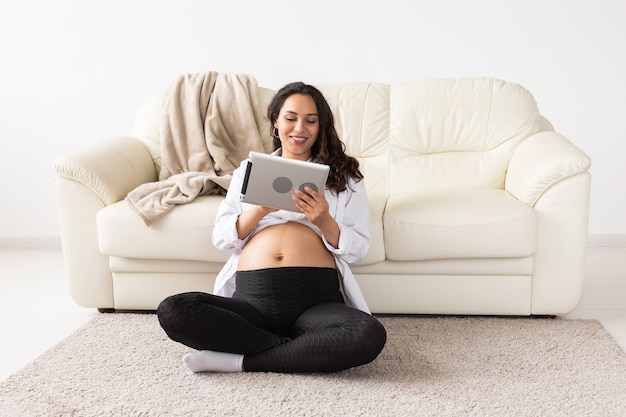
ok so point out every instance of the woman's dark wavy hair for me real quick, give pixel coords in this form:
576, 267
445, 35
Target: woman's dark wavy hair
328, 148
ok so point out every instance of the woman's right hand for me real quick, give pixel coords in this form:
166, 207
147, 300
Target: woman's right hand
264, 210
247, 220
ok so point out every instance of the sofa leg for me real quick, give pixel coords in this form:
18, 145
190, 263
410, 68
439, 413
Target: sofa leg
543, 316
106, 310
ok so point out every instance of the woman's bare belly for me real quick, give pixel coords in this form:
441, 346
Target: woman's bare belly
287, 244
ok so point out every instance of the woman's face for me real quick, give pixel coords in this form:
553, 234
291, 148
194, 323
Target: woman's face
298, 126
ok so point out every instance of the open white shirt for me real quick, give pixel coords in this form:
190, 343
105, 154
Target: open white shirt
349, 208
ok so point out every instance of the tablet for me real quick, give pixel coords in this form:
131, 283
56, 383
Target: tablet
271, 180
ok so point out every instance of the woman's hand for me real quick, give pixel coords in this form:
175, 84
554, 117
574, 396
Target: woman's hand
312, 204
263, 211
315, 207
247, 220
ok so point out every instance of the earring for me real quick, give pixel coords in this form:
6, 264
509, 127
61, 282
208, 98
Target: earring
275, 133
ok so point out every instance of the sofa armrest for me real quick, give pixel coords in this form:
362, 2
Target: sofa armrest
550, 174
85, 182
110, 169
540, 162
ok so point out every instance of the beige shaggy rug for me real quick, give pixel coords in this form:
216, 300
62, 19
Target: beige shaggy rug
123, 365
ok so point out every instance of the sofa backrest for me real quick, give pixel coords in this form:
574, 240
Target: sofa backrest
361, 114
147, 121
456, 133
412, 137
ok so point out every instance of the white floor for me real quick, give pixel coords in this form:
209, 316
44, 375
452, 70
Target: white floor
36, 311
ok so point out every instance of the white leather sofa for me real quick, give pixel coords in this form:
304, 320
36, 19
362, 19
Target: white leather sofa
477, 205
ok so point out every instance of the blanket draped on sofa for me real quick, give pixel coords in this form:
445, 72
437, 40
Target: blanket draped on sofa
209, 124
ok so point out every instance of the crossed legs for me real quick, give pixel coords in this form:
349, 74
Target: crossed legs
326, 337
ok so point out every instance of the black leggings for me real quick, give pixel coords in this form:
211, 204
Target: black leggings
290, 319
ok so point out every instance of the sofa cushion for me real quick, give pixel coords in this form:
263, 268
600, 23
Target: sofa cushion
458, 224
182, 234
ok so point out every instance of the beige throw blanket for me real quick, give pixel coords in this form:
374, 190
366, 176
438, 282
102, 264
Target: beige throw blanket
208, 127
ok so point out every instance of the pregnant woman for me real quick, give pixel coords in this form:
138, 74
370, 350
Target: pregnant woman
286, 300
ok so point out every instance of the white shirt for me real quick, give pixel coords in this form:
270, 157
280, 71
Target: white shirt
349, 208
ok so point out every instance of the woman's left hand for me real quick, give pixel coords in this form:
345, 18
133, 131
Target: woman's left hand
315, 207
312, 204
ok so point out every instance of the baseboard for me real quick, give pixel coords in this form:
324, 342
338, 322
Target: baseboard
35, 243
601, 241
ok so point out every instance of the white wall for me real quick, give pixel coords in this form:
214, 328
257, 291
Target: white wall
74, 71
